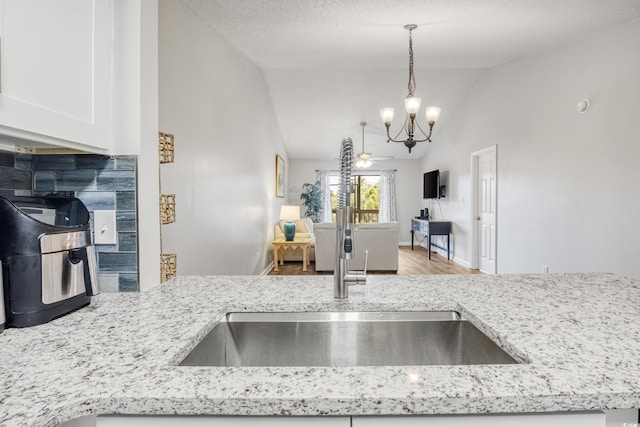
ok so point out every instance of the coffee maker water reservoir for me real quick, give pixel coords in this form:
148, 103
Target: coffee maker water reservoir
48, 261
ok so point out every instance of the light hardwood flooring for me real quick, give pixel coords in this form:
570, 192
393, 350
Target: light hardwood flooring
409, 262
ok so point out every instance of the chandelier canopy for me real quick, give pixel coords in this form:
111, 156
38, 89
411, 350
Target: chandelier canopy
412, 105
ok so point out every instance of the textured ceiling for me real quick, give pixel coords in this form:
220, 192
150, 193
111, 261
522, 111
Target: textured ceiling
348, 48
368, 33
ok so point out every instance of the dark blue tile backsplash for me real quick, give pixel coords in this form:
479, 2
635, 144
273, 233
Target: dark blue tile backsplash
55, 163
102, 183
74, 180
7, 160
98, 200
125, 201
15, 179
114, 262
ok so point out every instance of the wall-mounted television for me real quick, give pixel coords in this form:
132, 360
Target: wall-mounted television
431, 184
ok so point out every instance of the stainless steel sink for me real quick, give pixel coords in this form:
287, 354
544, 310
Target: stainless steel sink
345, 339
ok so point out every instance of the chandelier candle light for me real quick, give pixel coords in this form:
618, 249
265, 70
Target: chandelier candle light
412, 105
289, 214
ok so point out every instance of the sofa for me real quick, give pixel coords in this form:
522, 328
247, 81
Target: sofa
304, 229
380, 239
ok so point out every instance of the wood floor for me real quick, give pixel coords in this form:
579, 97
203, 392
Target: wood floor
409, 262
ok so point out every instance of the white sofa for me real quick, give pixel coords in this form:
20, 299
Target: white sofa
304, 229
380, 239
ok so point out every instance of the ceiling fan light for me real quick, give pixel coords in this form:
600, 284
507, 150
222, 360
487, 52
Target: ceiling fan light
362, 163
432, 113
412, 104
363, 160
386, 114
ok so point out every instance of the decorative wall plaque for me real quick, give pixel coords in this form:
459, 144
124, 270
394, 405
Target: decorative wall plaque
166, 147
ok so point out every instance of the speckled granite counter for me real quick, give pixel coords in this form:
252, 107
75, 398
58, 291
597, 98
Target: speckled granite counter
580, 335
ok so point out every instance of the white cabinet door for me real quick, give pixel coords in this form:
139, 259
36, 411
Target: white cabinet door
211, 421
55, 72
567, 419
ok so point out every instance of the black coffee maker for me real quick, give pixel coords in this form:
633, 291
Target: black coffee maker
2, 316
48, 261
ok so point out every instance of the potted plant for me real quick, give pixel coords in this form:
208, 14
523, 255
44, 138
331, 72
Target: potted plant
312, 200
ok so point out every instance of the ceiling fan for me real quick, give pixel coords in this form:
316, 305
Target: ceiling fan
363, 160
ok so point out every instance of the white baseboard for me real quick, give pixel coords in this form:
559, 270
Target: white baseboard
268, 269
443, 253
462, 262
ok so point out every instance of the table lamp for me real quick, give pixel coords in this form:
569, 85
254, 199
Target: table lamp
289, 214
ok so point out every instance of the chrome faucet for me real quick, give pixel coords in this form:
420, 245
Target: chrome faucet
342, 277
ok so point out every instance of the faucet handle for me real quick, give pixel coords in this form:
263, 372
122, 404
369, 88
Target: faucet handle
357, 277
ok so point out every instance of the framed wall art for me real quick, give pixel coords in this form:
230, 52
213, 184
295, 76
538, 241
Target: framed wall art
279, 176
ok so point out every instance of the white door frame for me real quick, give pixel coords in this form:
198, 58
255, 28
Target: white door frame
475, 183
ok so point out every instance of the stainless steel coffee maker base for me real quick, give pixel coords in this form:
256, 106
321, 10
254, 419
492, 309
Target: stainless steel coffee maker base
65, 259
61, 277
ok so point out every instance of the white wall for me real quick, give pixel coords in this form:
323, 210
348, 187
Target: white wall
216, 103
567, 195
135, 115
408, 186
148, 229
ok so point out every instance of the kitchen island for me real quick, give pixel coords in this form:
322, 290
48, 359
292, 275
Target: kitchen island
577, 337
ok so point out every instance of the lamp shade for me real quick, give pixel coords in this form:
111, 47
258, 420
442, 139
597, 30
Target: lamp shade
290, 213
432, 113
412, 104
386, 114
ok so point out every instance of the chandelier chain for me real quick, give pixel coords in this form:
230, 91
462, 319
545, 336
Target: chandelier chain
412, 79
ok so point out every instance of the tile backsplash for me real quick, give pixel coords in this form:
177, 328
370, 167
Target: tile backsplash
102, 183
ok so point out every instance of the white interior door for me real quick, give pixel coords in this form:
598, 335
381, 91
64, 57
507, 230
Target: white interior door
484, 165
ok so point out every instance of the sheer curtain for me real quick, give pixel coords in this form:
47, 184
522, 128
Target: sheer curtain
387, 196
324, 178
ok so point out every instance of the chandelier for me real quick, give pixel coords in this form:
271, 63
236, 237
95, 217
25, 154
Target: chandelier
412, 105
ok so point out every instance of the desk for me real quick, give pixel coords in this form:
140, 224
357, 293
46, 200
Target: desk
431, 228
280, 245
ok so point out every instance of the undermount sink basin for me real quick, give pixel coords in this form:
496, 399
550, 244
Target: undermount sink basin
345, 339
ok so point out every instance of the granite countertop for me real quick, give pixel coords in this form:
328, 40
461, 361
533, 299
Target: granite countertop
578, 333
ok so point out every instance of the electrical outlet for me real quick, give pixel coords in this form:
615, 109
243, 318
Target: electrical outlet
104, 227
545, 269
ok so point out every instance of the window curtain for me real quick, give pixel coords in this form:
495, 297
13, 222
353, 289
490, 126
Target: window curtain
324, 178
387, 196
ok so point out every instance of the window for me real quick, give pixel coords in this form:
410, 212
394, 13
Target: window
365, 200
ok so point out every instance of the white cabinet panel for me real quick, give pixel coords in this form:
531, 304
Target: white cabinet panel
211, 421
590, 419
55, 71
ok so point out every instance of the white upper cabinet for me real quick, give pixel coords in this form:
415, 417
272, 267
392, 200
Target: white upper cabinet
55, 72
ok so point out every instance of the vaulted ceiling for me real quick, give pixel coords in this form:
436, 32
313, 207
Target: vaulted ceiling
330, 64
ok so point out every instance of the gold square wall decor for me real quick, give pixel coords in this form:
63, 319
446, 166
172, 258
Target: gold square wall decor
167, 208
280, 178
168, 266
166, 147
